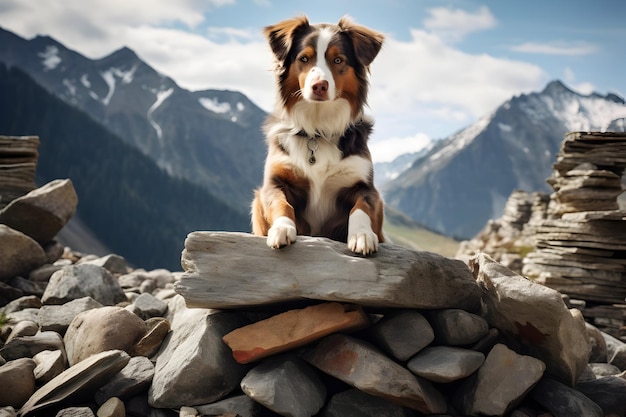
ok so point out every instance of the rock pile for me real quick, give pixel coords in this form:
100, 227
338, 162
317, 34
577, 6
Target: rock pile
18, 160
581, 246
308, 330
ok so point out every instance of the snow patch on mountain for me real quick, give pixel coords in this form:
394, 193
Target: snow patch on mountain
161, 96
51, 58
212, 104
108, 78
84, 80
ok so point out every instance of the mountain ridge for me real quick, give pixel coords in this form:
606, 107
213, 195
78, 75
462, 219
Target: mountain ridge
221, 149
511, 148
125, 199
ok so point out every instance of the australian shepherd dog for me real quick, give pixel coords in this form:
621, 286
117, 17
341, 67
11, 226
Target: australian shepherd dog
318, 177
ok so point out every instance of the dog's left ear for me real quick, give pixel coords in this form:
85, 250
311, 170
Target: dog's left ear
367, 43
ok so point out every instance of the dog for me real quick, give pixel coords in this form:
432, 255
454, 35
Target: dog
318, 176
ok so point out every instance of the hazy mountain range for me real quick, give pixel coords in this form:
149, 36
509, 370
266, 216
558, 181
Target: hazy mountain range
209, 145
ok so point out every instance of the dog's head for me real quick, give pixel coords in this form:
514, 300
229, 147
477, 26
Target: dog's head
323, 63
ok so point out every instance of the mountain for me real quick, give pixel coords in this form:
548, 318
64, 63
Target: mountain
211, 138
465, 179
387, 171
135, 208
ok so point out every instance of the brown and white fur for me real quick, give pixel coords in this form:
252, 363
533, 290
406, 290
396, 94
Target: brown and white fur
322, 79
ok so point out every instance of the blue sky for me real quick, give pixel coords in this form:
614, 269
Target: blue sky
444, 63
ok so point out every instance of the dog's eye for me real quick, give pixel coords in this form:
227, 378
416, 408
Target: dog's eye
304, 59
338, 60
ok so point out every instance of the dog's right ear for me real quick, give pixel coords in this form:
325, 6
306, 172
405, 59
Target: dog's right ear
281, 35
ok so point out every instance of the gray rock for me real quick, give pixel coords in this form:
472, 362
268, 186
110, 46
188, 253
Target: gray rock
18, 375
102, 329
113, 407
402, 334
23, 328
240, 405
356, 403
8, 412
148, 345
603, 369
27, 314
548, 330
251, 274
616, 351
27, 301
19, 254
364, 367
115, 264
57, 318
150, 306
78, 281
29, 346
134, 378
84, 377
609, 393
194, 351
500, 384
597, 343
44, 272
286, 385
457, 327
75, 412
445, 363
50, 363
27, 287
8, 293
132, 279
52, 204
563, 401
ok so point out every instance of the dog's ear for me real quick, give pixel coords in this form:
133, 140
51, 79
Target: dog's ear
280, 36
367, 43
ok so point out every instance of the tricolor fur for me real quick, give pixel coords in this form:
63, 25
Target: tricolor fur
322, 81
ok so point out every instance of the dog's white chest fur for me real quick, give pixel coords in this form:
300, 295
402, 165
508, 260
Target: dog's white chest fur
330, 173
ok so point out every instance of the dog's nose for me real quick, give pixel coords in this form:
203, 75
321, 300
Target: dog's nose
320, 88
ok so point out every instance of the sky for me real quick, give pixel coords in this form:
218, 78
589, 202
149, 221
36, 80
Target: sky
443, 65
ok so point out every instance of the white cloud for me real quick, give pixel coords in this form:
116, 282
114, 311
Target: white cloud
421, 85
556, 48
454, 24
389, 149
425, 72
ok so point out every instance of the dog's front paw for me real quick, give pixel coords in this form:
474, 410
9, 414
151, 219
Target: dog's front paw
363, 243
361, 238
282, 233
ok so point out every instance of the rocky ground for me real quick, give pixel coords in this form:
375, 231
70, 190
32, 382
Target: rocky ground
309, 330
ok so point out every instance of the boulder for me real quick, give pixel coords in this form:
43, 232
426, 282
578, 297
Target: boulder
18, 375
547, 330
192, 352
85, 280
228, 270
19, 254
78, 380
102, 329
52, 205
286, 385
444, 364
364, 367
402, 334
500, 384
